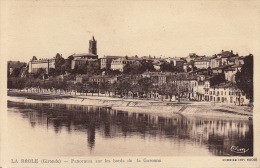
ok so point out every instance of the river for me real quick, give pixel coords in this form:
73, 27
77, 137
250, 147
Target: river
78, 130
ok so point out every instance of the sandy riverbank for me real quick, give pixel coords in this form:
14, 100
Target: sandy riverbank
189, 109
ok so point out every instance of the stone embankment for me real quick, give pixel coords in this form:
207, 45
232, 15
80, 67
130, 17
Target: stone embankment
187, 109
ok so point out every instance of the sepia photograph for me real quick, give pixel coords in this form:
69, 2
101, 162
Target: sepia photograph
129, 83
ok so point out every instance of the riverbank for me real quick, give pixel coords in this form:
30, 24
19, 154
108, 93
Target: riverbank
187, 109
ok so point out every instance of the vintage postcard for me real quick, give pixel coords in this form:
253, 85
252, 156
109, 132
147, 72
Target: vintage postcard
129, 83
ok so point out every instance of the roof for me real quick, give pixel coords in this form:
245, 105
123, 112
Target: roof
84, 59
226, 54
112, 57
82, 76
236, 66
230, 69
226, 85
233, 58
202, 60
83, 55
221, 67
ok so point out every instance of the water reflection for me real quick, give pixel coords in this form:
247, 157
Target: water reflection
217, 136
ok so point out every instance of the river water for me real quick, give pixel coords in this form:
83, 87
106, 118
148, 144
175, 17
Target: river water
77, 130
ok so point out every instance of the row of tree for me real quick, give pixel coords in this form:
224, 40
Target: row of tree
142, 88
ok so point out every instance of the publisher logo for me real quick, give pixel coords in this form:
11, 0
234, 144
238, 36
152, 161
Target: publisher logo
237, 149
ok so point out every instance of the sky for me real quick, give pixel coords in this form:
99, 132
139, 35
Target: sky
157, 28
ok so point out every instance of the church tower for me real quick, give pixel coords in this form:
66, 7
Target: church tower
93, 46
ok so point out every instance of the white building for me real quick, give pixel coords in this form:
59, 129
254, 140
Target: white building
227, 93
215, 62
230, 73
82, 59
46, 64
120, 63
202, 64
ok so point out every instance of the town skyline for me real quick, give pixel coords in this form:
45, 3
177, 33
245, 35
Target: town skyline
170, 29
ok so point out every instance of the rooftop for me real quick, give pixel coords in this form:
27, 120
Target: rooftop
83, 55
226, 85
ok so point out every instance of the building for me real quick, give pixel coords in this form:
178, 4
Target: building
225, 56
179, 64
215, 62
105, 62
202, 63
98, 79
45, 64
93, 46
230, 73
84, 58
236, 61
227, 93
191, 57
120, 63
81, 78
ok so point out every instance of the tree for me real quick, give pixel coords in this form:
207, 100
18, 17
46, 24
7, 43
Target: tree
112, 72
16, 72
145, 85
93, 68
217, 79
103, 86
79, 87
114, 88
16, 83
59, 62
39, 74
244, 79
68, 64
123, 87
146, 66
162, 90
167, 67
82, 69
134, 68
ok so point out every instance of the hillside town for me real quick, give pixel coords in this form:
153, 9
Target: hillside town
224, 77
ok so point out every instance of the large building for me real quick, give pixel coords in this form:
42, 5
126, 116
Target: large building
84, 58
202, 63
120, 63
45, 64
105, 62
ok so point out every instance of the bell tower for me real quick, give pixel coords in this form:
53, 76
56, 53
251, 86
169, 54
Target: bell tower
93, 46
